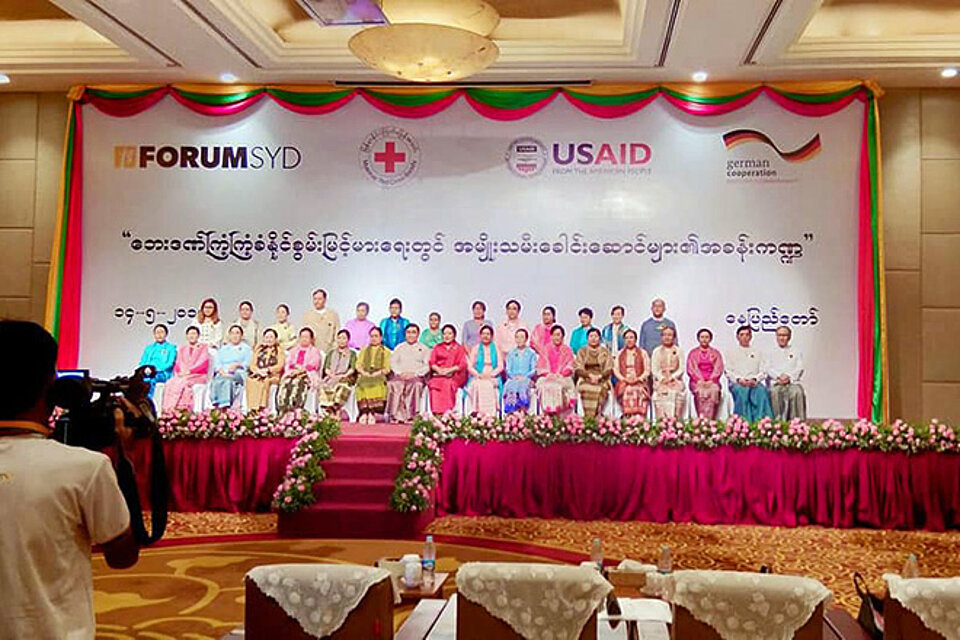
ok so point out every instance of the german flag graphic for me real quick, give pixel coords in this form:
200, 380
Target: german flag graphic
800, 154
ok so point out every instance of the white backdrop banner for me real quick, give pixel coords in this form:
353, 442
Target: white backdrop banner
714, 215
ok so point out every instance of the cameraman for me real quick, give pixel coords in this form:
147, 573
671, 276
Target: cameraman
55, 502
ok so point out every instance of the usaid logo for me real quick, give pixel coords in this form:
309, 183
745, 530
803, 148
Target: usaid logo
527, 157
603, 154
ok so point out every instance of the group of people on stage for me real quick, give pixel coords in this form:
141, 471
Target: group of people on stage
503, 365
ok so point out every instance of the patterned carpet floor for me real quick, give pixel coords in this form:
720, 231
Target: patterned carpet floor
830, 555
190, 585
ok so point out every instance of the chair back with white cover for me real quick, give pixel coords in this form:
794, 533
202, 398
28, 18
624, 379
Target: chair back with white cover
734, 605
499, 600
309, 601
921, 608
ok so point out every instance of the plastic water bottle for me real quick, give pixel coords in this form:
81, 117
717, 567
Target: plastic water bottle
596, 554
664, 563
429, 562
910, 568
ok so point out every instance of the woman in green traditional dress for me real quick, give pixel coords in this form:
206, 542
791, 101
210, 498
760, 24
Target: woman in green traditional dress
373, 366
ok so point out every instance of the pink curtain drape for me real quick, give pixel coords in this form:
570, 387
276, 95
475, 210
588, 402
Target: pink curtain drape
218, 475
725, 485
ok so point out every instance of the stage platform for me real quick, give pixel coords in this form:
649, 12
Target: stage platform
241, 476
727, 485
353, 501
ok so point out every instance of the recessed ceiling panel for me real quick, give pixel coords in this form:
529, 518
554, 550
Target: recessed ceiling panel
884, 19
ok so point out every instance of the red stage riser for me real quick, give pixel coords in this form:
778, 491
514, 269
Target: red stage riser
719, 486
582, 481
241, 476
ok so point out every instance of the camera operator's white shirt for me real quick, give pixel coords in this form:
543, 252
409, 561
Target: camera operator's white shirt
55, 501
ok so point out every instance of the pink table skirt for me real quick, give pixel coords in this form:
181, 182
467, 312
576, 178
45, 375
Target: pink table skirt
724, 485
218, 475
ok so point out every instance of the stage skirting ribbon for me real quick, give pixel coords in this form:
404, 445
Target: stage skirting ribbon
237, 476
726, 485
601, 107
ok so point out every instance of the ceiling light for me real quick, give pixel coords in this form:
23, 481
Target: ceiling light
949, 72
700, 76
424, 52
4, 78
430, 40
228, 77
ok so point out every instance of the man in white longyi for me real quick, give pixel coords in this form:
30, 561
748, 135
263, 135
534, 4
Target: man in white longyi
785, 368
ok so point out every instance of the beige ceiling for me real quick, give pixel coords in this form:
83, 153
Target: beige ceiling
884, 19
52, 45
31, 10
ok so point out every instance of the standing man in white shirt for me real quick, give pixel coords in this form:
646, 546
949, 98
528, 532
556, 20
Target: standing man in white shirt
56, 502
747, 373
785, 370
324, 321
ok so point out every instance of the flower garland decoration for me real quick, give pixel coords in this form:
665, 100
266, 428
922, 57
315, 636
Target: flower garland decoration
304, 471
230, 424
423, 456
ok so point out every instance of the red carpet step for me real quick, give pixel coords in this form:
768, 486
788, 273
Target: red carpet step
353, 502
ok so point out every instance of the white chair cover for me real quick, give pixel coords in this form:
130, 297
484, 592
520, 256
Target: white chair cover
318, 596
936, 601
539, 601
748, 606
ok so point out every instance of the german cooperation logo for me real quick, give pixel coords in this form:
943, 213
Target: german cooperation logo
758, 168
528, 157
390, 156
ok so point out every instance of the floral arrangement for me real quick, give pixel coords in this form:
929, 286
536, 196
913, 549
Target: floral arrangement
424, 453
229, 424
304, 470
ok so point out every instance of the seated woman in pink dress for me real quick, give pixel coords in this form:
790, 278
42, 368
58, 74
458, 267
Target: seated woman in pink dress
669, 394
555, 389
301, 373
485, 365
448, 365
190, 368
704, 367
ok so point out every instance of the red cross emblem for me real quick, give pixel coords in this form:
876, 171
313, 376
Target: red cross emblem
390, 157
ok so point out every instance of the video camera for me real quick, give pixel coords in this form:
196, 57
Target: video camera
86, 418
88, 405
